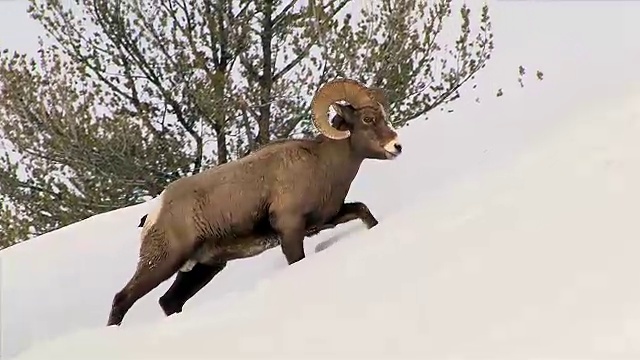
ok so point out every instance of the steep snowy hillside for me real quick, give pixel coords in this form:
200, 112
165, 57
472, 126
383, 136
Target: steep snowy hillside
64, 281
536, 260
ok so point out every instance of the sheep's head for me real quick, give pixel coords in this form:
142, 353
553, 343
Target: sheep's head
363, 120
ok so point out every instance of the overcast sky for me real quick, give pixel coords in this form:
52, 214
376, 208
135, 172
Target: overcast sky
561, 37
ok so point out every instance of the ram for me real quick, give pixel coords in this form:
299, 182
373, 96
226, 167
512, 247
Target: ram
274, 196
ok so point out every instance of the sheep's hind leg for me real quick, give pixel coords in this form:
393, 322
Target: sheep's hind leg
155, 266
348, 212
187, 284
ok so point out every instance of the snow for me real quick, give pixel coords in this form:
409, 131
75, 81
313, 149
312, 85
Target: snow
538, 258
507, 230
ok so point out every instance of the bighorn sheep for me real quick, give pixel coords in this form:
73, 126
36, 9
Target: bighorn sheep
274, 196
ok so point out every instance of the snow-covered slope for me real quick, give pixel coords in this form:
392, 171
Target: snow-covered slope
64, 281
538, 259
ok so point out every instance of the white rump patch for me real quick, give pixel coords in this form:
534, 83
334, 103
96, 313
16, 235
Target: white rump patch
152, 217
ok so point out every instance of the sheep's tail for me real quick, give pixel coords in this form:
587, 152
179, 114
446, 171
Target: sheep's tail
143, 219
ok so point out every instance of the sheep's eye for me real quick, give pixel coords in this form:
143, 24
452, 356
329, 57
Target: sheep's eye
368, 120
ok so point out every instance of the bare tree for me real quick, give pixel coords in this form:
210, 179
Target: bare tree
125, 96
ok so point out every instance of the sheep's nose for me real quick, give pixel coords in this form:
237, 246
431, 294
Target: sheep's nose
393, 148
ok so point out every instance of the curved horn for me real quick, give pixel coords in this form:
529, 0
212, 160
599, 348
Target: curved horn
348, 90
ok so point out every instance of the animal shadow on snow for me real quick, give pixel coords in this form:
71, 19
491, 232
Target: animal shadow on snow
325, 244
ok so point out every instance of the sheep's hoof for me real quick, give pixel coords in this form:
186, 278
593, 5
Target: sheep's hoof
371, 222
169, 307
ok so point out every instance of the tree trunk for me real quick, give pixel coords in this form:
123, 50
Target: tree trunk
220, 83
266, 80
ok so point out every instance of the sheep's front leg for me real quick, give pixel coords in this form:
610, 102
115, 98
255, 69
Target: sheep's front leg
348, 212
352, 211
291, 229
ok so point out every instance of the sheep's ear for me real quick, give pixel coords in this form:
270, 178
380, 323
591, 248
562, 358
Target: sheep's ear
344, 111
337, 108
